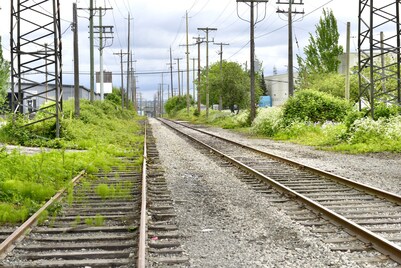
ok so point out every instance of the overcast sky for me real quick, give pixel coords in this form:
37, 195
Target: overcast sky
158, 25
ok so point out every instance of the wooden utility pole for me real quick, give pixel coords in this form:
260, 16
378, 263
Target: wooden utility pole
121, 54
171, 73
252, 23
92, 53
76, 60
187, 54
290, 12
206, 30
199, 42
193, 77
347, 62
221, 71
101, 53
382, 60
129, 53
178, 72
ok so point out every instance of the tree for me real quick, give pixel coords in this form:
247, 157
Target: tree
321, 55
4, 75
232, 83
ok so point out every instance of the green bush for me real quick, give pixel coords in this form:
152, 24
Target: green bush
386, 111
268, 121
314, 106
383, 130
333, 84
175, 104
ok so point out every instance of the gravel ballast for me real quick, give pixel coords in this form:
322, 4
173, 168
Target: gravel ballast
224, 224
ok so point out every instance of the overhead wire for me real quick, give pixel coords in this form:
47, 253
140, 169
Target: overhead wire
283, 26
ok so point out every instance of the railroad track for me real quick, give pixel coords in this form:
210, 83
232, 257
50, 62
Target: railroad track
349, 216
97, 226
122, 218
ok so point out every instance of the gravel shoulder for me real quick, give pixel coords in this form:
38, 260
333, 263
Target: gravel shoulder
225, 224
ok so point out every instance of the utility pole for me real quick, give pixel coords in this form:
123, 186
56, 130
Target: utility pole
129, 53
136, 93
382, 60
101, 53
347, 62
187, 53
193, 77
179, 84
121, 54
252, 50
105, 33
221, 71
199, 41
76, 60
92, 53
91, 49
133, 86
206, 30
290, 12
171, 73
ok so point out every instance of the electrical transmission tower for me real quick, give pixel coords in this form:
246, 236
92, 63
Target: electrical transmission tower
379, 52
36, 60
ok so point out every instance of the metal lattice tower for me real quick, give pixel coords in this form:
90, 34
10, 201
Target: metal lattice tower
36, 73
379, 52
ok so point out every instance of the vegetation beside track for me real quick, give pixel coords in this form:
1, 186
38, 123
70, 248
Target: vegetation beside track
103, 133
316, 119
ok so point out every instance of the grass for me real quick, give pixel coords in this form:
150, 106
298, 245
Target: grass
118, 190
103, 134
364, 136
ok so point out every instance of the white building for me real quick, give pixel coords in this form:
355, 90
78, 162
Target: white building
277, 85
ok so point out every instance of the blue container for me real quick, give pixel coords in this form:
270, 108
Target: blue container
265, 101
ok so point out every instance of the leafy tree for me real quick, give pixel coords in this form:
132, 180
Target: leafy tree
4, 74
334, 83
175, 104
321, 55
263, 85
232, 83
385, 88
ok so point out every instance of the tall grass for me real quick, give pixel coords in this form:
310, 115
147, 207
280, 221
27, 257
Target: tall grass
103, 133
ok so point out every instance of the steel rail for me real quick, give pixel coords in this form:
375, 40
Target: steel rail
141, 261
360, 186
8, 244
382, 245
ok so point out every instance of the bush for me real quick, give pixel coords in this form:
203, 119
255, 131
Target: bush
268, 121
313, 106
386, 111
175, 104
333, 84
368, 130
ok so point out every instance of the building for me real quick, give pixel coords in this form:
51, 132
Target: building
34, 102
277, 88
277, 85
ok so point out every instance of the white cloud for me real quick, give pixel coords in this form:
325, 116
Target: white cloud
159, 24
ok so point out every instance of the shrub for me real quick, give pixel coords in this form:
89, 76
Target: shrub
313, 106
268, 121
386, 111
175, 104
367, 130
